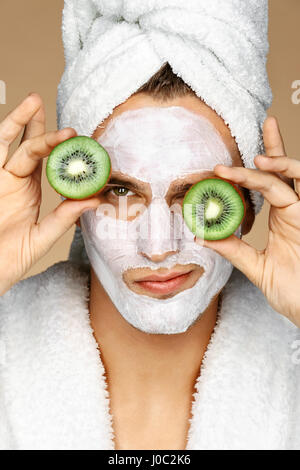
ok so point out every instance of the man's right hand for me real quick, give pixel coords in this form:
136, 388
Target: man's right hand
24, 240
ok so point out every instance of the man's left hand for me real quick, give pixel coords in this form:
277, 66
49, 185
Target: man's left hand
276, 269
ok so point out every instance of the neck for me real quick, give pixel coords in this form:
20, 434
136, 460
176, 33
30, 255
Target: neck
139, 363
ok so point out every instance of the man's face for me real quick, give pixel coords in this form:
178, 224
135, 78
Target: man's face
147, 251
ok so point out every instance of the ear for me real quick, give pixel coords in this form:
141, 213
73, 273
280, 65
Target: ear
250, 214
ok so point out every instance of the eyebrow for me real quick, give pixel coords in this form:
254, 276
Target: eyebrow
180, 187
183, 187
176, 187
122, 181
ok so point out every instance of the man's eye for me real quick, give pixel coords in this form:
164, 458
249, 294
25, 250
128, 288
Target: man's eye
122, 191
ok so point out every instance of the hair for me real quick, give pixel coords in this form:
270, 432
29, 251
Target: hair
165, 85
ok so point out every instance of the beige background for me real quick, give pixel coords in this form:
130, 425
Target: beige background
31, 56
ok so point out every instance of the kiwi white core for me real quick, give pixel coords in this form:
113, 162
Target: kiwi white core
76, 166
156, 145
213, 210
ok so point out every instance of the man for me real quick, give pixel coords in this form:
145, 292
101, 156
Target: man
151, 390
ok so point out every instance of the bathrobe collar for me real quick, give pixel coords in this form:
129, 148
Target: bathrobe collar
54, 391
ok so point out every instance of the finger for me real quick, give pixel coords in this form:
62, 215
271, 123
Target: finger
288, 167
36, 127
37, 173
26, 158
273, 140
14, 122
243, 256
37, 124
275, 191
55, 224
274, 144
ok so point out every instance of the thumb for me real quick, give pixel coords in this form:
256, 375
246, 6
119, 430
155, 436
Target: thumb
243, 256
61, 219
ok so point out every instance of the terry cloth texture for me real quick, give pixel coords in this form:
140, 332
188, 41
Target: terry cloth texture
53, 388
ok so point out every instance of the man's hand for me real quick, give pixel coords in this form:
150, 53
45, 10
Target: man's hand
276, 269
23, 241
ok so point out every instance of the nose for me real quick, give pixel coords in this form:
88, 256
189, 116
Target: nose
159, 241
157, 258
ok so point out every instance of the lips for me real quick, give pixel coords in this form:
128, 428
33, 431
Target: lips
161, 278
164, 284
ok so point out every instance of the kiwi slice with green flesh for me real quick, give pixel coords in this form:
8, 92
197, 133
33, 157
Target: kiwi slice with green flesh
78, 168
213, 208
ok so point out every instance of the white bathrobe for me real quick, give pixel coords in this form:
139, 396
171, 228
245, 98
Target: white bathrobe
53, 392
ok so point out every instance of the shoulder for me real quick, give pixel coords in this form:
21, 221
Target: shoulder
41, 317
239, 281
246, 308
243, 292
38, 293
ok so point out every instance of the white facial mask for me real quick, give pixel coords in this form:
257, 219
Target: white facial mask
156, 145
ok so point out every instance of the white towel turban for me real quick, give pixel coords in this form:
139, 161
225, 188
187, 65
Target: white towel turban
218, 47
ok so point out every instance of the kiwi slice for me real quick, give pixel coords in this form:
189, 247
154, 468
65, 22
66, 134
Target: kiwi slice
213, 208
78, 168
